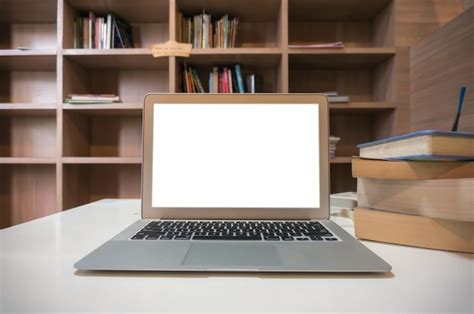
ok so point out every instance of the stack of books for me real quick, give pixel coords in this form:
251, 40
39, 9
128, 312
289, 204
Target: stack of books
417, 190
333, 140
334, 97
105, 32
225, 80
201, 32
78, 99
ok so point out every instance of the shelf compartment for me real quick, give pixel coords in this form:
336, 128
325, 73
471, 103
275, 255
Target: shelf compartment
355, 128
149, 18
26, 135
362, 79
131, 79
27, 192
85, 183
355, 24
101, 134
341, 178
339, 59
266, 67
32, 87
26, 23
259, 21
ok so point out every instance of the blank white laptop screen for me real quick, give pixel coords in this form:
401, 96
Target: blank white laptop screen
236, 155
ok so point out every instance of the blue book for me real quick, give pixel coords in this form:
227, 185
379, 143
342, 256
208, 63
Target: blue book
240, 81
422, 145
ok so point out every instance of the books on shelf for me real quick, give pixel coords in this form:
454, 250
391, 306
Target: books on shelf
200, 31
334, 97
102, 32
334, 45
333, 140
422, 145
426, 202
92, 99
225, 80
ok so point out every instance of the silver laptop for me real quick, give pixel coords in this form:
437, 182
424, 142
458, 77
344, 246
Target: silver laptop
235, 183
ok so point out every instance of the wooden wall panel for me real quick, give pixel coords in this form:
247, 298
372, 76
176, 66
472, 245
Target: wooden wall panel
440, 64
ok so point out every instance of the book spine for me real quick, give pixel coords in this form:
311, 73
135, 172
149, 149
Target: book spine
215, 80
225, 81
240, 81
229, 77
109, 31
211, 83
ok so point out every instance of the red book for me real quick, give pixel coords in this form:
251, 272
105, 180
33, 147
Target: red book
225, 81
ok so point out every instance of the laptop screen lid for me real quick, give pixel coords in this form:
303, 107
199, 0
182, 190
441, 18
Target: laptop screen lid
261, 156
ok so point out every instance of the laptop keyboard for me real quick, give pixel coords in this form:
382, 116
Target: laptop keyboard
235, 231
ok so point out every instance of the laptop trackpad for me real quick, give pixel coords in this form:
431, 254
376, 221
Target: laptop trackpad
228, 254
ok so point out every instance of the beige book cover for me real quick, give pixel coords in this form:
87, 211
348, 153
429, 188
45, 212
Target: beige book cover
413, 230
411, 170
445, 199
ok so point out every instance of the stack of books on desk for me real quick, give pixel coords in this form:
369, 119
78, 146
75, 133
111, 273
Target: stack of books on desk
417, 190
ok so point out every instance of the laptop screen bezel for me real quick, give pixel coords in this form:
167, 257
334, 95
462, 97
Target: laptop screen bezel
149, 212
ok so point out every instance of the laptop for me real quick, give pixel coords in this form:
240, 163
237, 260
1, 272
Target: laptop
235, 183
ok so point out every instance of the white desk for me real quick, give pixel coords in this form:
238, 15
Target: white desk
37, 274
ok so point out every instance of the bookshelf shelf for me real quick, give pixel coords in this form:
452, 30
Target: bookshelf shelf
128, 59
27, 108
102, 160
27, 160
339, 60
61, 155
115, 108
370, 106
19, 61
236, 51
341, 160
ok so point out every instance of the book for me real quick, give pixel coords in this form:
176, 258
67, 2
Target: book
240, 82
106, 32
422, 145
413, 230
200, 31
336, 45
451, 199
92, 98
338, 99
251, 83
411, 170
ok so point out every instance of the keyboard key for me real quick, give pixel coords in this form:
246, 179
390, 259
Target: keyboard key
151, 238
227, 238
331, 239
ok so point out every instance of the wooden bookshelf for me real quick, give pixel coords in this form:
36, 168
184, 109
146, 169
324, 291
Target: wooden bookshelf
54, 156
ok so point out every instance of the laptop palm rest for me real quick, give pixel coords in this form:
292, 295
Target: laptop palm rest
232, 254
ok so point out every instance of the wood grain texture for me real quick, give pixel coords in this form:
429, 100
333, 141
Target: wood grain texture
415, 20
27, 192
442, 63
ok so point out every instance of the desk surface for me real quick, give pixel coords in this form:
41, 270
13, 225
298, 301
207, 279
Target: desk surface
37, 274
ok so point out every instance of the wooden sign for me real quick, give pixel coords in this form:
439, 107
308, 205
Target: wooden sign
171, 48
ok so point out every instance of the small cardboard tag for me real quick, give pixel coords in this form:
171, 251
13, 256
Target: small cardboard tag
171, 48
